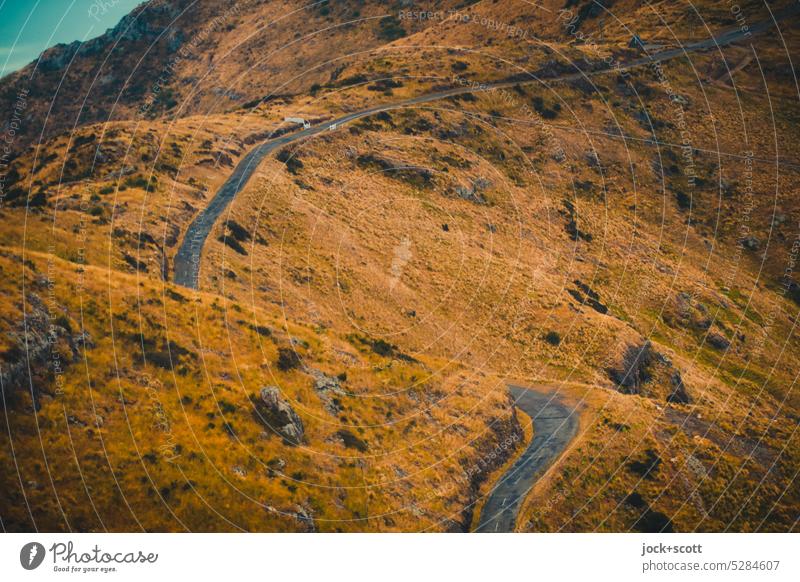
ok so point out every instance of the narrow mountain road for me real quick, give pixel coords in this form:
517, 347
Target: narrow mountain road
187, 259
554, 427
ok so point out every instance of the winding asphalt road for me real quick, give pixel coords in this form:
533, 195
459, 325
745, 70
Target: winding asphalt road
187, 260
554, 426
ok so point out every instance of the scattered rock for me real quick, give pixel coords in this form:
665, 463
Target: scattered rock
305, 517
328, 389
696, 467
229, 93
474, 192
302, 514
298, 342
409, 173
275, 467
687, 312
593, 160
718, 341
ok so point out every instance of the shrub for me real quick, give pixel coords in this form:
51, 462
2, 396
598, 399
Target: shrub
226, 407
553, 338
232, 243
63, 321
261, 330
293, 163
543, 110
175, 296
351, 441
287, 359
37, 200
390, 28
239, 232
683, 199
141, 182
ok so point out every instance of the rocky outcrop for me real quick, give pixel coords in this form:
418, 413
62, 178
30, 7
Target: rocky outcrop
634, 369
58, 56
272, 410
42, 348
644, 371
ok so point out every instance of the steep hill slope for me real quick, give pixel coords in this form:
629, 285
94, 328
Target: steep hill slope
628, 239
187, 57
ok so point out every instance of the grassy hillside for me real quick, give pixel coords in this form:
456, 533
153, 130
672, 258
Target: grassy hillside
147, 400
628, 239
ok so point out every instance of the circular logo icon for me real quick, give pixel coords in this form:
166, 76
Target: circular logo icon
31, 555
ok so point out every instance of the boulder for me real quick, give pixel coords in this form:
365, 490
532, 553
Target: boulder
634, 370
276, 413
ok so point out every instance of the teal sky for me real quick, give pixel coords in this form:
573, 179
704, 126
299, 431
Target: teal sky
27, 27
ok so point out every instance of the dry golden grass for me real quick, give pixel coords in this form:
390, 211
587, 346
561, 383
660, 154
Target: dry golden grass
163, 434
454, 232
